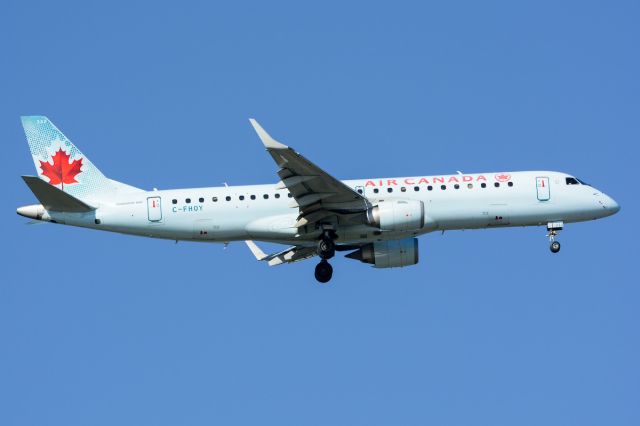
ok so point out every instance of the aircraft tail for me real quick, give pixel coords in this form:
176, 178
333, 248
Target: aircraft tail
61, 164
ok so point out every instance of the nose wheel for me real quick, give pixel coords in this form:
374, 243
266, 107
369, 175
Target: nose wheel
324, 271
554, 228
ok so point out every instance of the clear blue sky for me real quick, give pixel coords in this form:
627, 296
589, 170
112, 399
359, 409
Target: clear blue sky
488, 329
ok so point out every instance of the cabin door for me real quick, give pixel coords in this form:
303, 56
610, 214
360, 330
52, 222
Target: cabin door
154, 209
542, 186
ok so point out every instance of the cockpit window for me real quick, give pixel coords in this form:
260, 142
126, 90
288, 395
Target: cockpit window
582, 182
572, 181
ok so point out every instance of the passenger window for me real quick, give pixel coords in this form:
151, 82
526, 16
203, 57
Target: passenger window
403, 189
456, 186
214, 199
483, 185
289, 195
228, 198
470, 185
376, 190
201, 200
443, 187
265, 196
188, 201
253, 197
416, 188
241, 197
277, 195
359, 190
496, 184
429, 188
510, 184
389, 189
174, 201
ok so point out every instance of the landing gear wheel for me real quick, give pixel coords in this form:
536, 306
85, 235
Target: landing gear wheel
326, 248
324, 271
554, 228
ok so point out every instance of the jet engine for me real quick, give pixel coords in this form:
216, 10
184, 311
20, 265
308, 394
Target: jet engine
388, 254
397, 215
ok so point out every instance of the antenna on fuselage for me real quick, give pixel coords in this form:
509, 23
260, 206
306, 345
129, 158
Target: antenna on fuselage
459, 172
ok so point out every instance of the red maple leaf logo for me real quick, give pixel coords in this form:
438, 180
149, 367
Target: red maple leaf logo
503, 177
62, 171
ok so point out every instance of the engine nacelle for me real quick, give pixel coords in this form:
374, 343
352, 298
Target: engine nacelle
388, 254
397, 215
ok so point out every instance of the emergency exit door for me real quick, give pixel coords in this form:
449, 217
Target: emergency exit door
542, 186
154, 209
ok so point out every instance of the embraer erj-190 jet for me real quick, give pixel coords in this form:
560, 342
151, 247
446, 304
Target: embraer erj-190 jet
375, 220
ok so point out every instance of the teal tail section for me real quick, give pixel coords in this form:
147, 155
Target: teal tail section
60, 163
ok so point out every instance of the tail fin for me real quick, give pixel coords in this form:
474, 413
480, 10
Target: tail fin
60, 163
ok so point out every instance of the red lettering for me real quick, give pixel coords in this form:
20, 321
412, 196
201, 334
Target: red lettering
370, 183
438, 179
391, 182
409, 181
467, 178
479, 178
423, 180
453, 179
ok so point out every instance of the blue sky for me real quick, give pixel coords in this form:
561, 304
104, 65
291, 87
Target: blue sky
489, 328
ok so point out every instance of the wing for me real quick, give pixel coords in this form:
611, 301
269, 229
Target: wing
320, 197
289, 255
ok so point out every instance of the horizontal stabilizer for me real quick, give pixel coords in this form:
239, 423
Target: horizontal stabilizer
53, 198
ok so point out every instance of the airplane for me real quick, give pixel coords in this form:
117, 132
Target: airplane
377, 221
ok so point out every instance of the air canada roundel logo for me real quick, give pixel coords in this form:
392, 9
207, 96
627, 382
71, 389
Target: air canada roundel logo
503, 177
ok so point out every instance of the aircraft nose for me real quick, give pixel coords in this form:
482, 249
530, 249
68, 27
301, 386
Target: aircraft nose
612, 205
609, 205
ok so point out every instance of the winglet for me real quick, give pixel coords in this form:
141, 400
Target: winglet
259, 254
267, 140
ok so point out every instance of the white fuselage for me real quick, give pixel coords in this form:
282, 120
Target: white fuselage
262, 212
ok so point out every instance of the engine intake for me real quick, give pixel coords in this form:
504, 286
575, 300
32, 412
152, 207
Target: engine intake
388, 254
397, 215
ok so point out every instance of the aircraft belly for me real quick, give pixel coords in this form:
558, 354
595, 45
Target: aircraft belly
273, 227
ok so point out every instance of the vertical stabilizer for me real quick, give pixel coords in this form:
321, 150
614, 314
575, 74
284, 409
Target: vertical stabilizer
60, 163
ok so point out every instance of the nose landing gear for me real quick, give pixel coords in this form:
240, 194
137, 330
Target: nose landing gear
553, 228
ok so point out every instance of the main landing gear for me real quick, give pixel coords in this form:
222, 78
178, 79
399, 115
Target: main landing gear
553, 228
324, 271
326, 250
